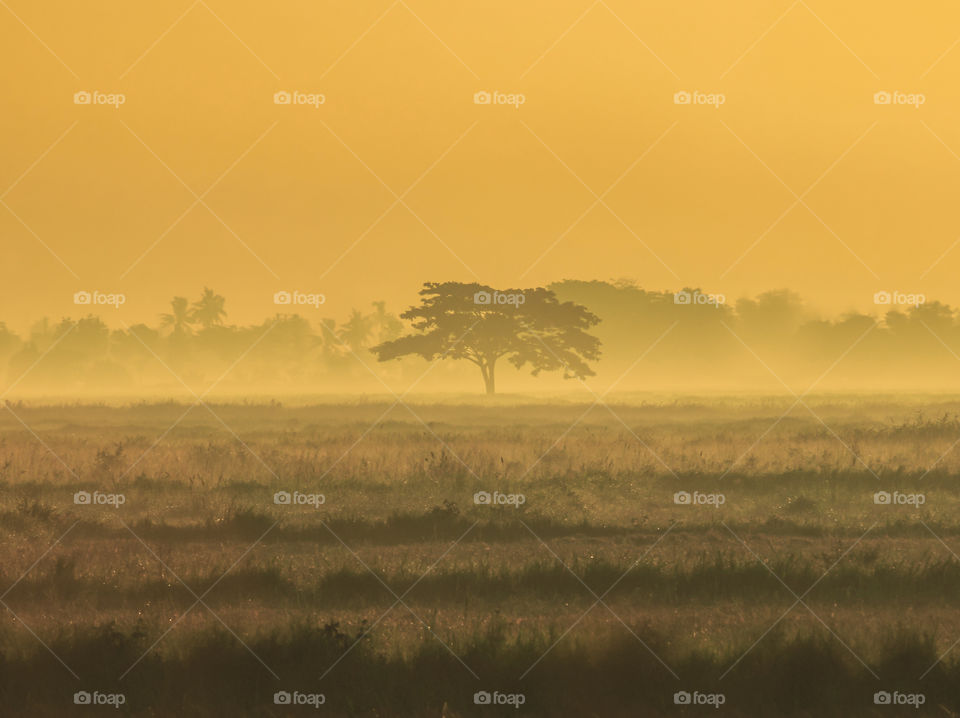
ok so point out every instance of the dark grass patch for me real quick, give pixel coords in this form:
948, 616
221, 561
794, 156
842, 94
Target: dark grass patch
722, 578
212, 674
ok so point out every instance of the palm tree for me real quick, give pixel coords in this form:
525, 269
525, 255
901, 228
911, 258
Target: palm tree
356, 331
388, 326
208, 311
179, 318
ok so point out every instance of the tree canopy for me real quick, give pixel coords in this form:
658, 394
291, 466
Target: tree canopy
526, 327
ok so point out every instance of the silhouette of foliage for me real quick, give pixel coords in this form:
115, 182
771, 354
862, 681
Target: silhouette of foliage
737, 344
208, 311
530, 327
179, 318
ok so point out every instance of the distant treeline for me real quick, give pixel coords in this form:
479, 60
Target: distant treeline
192, 344
758, 343
769, 340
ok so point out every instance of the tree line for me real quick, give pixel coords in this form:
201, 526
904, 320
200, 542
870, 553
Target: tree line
603, 331
192, 341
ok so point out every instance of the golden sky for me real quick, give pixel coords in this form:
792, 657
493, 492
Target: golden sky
798, 179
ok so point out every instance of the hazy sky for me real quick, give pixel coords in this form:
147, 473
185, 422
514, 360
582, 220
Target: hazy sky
798, 179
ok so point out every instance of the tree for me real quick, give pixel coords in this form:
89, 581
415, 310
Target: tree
388, 327
482, 325
179, 317
330, 346
356, 331
208, 311
135, 347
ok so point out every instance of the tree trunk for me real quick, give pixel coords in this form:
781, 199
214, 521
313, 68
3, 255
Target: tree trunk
489, 383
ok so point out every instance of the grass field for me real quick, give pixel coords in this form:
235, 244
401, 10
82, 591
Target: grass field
781, 588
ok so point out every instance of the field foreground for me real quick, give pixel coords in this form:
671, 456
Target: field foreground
768, 557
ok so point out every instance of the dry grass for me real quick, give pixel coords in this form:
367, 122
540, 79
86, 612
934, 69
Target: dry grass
486, 590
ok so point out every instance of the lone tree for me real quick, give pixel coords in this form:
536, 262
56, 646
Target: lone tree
480, 324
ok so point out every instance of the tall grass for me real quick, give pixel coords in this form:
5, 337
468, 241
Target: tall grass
509, 594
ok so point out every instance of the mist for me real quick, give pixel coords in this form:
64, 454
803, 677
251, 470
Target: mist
685, 341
